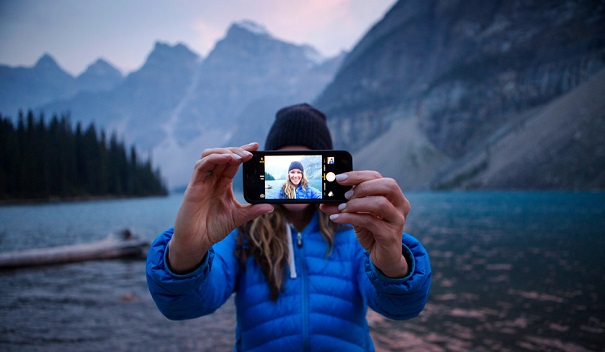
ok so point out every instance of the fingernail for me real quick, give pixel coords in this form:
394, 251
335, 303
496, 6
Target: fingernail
349, 194
246, 153
236, 156
333, 216
342, 206
341, 177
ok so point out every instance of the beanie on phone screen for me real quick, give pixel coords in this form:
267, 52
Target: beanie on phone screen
300, 124
296, 165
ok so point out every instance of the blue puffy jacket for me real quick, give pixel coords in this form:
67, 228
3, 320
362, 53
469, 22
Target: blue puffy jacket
324, 302
307, 193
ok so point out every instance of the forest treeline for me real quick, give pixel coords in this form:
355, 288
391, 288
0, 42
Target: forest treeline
41, 160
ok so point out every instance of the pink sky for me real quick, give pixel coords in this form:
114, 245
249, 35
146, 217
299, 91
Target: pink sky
76, 32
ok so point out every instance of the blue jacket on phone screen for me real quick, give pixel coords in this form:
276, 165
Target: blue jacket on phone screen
307, 193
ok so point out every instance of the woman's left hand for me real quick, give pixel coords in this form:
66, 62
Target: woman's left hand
377, 209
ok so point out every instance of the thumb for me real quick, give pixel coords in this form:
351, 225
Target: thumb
249, 212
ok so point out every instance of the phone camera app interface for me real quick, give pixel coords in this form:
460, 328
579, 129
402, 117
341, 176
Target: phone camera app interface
293, 177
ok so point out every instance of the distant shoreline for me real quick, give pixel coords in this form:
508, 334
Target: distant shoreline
75, 199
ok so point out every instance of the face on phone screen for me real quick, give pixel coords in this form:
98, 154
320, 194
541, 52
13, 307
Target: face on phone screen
295, 176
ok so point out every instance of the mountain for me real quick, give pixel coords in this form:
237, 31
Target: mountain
560, 145
438, 94
246, 78
178, 104
448, 77
236, 90
46, 82
99, 76
25, 87
403, 153
149, 96
141, 103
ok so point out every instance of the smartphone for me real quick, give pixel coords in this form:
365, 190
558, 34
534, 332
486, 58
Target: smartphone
296, 176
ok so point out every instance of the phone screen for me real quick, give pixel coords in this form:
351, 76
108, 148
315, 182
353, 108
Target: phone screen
307, 176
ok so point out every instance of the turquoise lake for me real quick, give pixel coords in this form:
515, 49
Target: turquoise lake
512, 271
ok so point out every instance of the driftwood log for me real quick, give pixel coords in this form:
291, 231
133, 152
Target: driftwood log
123, 244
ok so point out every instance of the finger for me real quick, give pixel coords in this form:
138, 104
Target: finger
231, 170
329, 208
225, 174
353, 178
406, 206
251, 147
211, 151
209, 162
213, 165
386, 187
379, 207
212, 159
358, 220
243, 151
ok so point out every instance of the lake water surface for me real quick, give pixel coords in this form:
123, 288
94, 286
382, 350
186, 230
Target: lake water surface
512, 272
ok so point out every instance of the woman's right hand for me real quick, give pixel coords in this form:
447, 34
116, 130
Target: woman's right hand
209, 211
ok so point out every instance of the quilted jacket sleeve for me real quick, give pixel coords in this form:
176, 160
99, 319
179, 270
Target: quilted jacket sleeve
198, 293
402, 298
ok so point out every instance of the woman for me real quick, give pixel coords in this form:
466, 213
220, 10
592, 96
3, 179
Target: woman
296, 185
303, 278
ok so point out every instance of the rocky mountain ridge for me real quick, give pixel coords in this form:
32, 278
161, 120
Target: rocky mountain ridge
24, 87
178, 103
432, 95
560, 145
449, 76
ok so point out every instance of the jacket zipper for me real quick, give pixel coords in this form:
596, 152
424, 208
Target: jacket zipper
305, 291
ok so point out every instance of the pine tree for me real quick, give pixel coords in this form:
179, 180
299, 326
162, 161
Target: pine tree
40, 160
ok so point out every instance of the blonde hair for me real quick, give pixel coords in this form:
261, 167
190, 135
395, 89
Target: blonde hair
264, 238
289, 188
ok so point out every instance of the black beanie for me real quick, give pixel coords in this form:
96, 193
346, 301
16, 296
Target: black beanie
296, 165
299, 124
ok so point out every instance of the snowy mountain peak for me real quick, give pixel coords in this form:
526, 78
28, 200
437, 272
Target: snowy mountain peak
252, 27
313, 55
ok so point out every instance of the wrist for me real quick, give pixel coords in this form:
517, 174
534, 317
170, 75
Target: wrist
183, 261
394, 268
397, 271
